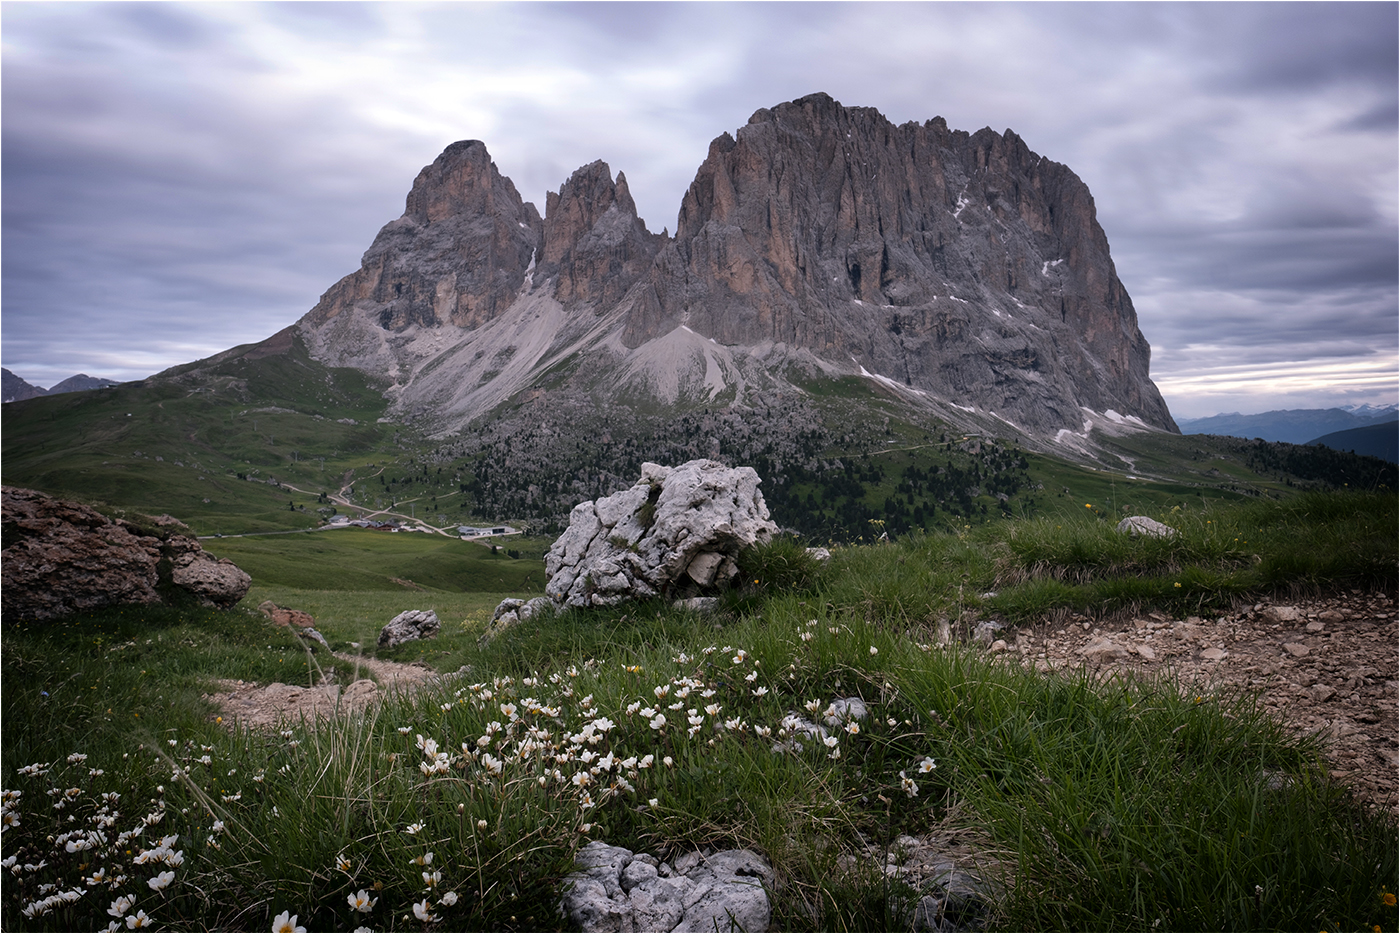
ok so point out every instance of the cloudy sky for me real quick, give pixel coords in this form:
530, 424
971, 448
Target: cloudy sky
181, 178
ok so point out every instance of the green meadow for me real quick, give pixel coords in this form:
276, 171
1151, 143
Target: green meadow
1094, 804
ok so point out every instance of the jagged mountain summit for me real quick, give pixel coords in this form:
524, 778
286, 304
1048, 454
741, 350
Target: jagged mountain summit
962, 274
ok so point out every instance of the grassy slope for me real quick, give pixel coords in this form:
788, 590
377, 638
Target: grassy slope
1115, 805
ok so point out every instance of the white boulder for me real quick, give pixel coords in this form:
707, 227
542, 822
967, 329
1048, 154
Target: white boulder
675, 533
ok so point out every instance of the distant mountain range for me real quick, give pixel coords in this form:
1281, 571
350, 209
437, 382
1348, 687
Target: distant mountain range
1296, 426
15, 388
1381, 440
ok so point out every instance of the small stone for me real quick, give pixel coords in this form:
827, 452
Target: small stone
1331, 616
1213, 654
409, 626
1316, 627
1295, 649
1146, 652
1142, 525
999, 646
1282, 614
1103, 650
1321, 692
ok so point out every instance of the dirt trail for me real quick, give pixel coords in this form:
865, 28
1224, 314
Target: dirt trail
1326, 666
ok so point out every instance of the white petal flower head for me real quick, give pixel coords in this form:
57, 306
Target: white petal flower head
161, 881
421, 912
431, 879
413, 828
361, 901
425, 860
928, 765
140, 920
121, 905
448, 899
286, 923
830, 741
874, 651
658, 721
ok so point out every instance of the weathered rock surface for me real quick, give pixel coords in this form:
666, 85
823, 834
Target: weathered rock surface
962, 274
408, 626
1142, 525
674, 534
511, 611
62, 557
285, 616
614, 889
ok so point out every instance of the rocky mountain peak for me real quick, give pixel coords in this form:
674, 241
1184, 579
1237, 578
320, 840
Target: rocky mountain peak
960, 272
593, 239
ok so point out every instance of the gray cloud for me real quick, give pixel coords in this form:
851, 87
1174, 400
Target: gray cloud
182, 178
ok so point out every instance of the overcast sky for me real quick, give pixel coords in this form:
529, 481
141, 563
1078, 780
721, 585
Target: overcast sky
181, 178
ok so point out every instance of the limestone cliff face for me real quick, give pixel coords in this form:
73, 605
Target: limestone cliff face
458, 255
961, 272
960, 264
593, 240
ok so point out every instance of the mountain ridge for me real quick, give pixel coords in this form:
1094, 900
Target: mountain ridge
959, 272
1295, 426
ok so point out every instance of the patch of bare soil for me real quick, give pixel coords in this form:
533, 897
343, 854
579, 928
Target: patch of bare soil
267, 705
1327, 666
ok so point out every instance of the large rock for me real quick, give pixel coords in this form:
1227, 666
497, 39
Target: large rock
616, 890
62, 557
1142, 525
408, 626
674, 534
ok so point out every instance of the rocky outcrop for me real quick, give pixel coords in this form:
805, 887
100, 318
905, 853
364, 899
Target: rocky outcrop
285, 616
614, 889
674, 534
457, 257
594, 243
62, 557
959, 273
963, 265
511, 611
409, 626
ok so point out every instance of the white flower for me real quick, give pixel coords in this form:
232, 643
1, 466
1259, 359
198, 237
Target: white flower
448, 899
853, 728
492, 764
658, 721
161, 881
668, 762
121, 905
759, 692
874, 651
218, 826
140, 919
413, 828
425, 860
927, 765
713, 709
481, 826
361, 901
653, 802
646, 761
807, 636
421, 912
431, 879
908, 784
830, 741
285, 923
751, 676
77, 757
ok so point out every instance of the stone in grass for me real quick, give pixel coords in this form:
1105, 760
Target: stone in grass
512, 611
1103, 650
614, 889
408, 626
1142, 525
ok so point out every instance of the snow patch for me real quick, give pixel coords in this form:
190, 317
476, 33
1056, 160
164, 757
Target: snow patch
1045, 267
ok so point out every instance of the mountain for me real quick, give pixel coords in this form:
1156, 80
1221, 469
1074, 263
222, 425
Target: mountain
961, 275
1296, 426
1380, 440
16, 388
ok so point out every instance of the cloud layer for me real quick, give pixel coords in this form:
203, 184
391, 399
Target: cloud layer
179, 179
